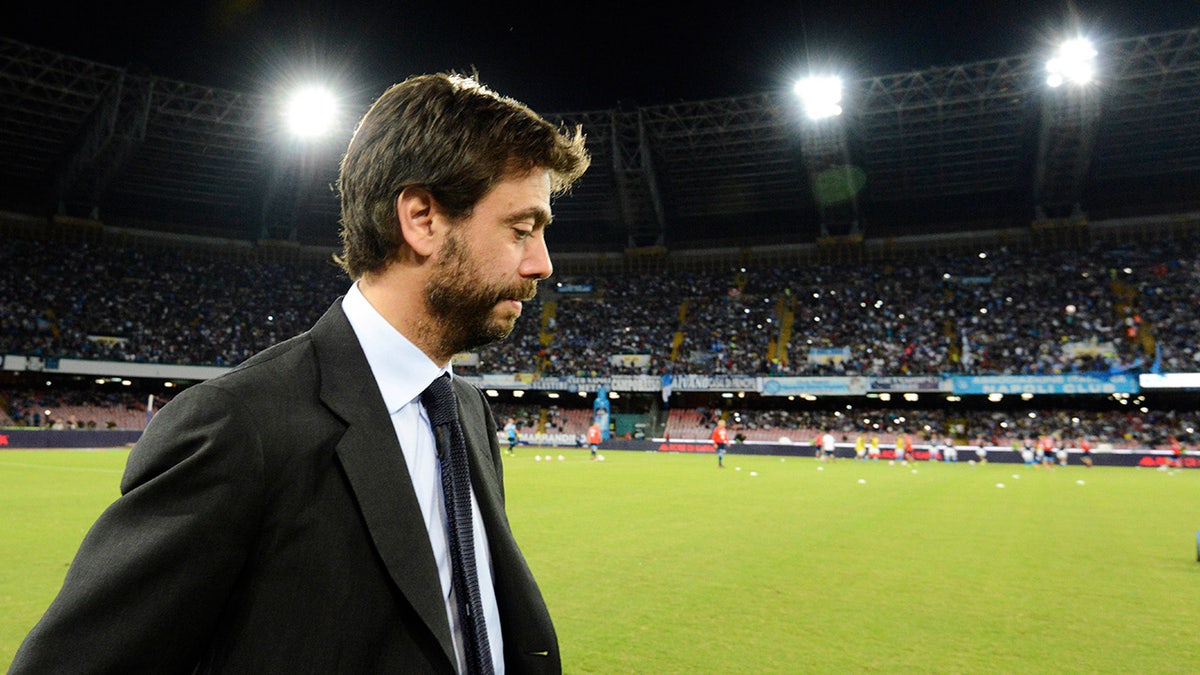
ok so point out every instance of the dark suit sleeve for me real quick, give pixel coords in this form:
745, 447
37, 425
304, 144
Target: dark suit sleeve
493, 441
152, 574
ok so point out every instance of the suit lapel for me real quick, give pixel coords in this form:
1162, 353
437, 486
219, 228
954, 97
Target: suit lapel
374, 465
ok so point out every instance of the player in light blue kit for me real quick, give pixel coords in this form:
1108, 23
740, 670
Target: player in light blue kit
510, 433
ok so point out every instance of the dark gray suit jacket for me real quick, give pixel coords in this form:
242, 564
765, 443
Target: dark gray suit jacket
268, 524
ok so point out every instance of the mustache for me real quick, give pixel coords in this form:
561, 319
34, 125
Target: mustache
524, 291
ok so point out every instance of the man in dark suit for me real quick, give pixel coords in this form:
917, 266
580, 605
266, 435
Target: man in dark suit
288, 517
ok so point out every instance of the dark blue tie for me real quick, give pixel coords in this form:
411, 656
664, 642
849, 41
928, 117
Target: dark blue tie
442, 407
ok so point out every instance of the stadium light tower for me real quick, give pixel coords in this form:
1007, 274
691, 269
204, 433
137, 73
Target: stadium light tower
821, 96
306, 125
833, 178
1074, 62
311, 112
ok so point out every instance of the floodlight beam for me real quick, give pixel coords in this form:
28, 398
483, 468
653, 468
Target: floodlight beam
820, 96
311, 112
1074, 62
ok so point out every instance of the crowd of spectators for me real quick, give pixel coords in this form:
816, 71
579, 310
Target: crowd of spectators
999, 312
123, 303
1002, 312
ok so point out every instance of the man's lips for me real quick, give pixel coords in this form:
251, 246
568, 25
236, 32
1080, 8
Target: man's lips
517, 299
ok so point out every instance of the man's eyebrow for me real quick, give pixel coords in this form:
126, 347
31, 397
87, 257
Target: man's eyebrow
540, 216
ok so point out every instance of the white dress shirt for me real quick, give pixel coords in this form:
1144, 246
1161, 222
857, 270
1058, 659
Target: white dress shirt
402, 372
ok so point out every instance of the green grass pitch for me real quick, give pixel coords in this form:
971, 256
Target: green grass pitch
662, 563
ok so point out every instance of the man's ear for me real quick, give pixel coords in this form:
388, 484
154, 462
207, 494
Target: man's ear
415, 209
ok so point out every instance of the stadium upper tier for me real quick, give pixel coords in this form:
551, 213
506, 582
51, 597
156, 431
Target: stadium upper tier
995, 311
974, 145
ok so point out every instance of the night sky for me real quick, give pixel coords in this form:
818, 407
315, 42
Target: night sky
573, 56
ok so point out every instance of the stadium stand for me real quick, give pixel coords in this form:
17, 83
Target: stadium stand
998, 312
961, 274
74, 408
1105, 306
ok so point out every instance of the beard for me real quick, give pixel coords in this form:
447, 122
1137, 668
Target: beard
463, 305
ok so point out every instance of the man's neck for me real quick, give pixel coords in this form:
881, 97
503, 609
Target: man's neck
390, 293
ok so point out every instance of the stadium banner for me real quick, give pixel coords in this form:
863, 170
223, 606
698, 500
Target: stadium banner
828, 356
112, 368
714, 383
546, 440
1169, 380
33, 439
630, 360
574, 288
639, 383
491, 380
814, 386
634, 382
1077, 350
151, 370
1083, 383
908, 384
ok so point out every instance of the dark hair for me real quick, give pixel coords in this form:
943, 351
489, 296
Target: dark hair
452, 136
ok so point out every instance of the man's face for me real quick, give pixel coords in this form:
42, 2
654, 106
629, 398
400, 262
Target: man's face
490, 262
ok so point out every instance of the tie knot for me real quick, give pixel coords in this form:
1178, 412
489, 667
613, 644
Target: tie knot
440, 404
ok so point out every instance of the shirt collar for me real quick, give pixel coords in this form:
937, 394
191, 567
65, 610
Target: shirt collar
401, 370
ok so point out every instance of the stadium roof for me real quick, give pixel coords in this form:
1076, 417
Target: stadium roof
971, 145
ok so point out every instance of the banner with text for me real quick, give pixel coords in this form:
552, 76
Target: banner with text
1084, 383
929, 383
630, 360
814, 386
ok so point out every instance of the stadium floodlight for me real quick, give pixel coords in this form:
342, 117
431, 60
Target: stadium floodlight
311, 112
1074, 62
821, 96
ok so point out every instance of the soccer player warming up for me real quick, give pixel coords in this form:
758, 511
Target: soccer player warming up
511, 435
594, 437
1086, 449
720, 438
